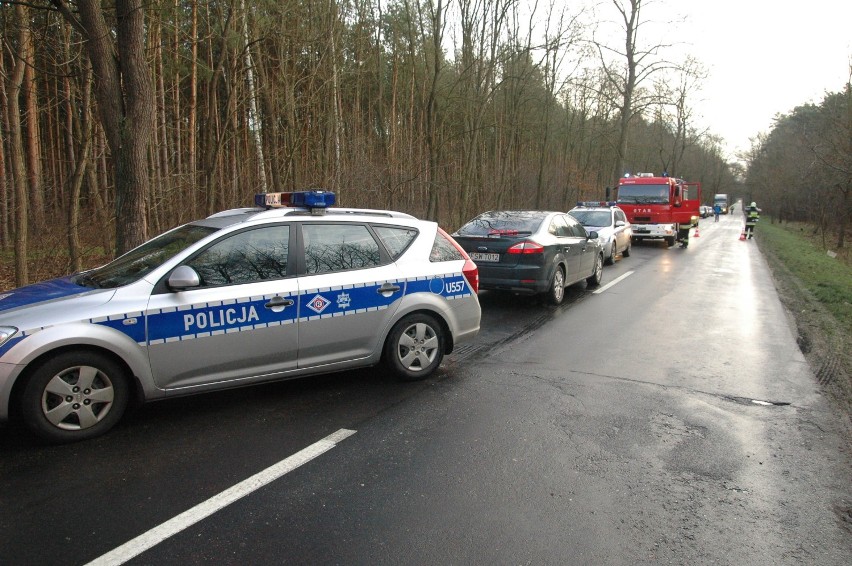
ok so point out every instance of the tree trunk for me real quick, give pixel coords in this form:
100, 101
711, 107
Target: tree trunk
4, 178
16, 149
33, 161
124, 94
76, 180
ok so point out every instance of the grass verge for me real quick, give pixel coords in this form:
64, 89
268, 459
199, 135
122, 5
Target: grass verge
816, 288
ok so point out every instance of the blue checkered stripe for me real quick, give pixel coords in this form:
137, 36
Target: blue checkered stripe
451, 286
213, 318
343, 300
220, 317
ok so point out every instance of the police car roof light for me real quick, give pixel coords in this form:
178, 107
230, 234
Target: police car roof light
307, 199
590, 204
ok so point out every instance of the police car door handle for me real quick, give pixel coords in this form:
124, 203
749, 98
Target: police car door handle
388, 288
278, 301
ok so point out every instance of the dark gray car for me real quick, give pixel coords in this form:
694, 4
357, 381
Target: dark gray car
531, 252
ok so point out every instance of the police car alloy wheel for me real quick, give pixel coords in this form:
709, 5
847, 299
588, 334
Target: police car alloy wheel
415, 347
611, 257
557, 288
74, 396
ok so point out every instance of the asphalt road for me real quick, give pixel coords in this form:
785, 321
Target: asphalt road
668, 418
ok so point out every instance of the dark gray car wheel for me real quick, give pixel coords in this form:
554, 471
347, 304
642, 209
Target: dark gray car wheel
556, 293
415, 347
74, 396
594, 279
626, 252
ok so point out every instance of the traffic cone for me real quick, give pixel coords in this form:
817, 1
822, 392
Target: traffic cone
696, 235
742, 236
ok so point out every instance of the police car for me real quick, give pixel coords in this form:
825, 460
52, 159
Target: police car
611, 224
290, 287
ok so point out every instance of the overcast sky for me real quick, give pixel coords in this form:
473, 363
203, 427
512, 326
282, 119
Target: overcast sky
764, 57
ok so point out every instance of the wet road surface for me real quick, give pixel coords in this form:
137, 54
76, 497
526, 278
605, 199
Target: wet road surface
669, 417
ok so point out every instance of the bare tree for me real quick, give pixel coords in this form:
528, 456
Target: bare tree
123, 89
16, 157
630, 67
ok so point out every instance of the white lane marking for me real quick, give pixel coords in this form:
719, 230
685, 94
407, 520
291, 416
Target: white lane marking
188, 518
613, 282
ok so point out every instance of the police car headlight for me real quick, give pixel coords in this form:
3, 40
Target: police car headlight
6, 332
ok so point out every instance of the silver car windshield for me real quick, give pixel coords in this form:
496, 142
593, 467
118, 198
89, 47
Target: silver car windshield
592, 217
140, 261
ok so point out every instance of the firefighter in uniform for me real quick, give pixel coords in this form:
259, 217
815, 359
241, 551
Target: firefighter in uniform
752, 216
683, 236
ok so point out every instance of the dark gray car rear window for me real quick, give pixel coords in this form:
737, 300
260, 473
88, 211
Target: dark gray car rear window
503, 223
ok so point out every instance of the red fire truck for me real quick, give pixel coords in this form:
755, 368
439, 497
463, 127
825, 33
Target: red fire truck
659, 207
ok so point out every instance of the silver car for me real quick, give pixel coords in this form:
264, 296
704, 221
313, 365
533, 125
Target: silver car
611, 224
244, 296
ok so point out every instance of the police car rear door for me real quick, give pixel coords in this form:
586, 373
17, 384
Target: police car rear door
350, 292
239, 324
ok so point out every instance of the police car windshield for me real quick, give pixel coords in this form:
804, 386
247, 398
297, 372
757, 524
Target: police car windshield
592, 217
139, 262
643, 194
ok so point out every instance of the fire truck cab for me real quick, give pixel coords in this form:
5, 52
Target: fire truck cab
659, 207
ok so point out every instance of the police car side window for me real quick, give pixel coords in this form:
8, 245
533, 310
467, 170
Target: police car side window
443, 250
245, 257
396, 238
338, 247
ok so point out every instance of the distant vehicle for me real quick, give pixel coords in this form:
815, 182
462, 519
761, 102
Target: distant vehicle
288, 288
659, 207
610, 223
706, 211
532, 252
722, 200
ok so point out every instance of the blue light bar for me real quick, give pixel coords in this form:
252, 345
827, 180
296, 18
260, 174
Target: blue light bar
307, 199
314, 199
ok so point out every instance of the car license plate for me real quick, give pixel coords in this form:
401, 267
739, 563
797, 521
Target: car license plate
485, 257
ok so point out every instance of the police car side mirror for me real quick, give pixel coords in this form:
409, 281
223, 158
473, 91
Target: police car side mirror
184, 277
619, 223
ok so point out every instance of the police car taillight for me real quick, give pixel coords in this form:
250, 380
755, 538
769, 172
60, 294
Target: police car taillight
470, 270
314, 200
526, 248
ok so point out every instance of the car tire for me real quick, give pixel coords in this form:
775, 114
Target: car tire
415, 347
612, 253
626, 252
594, 279
556, 292
670, 241
74, 396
